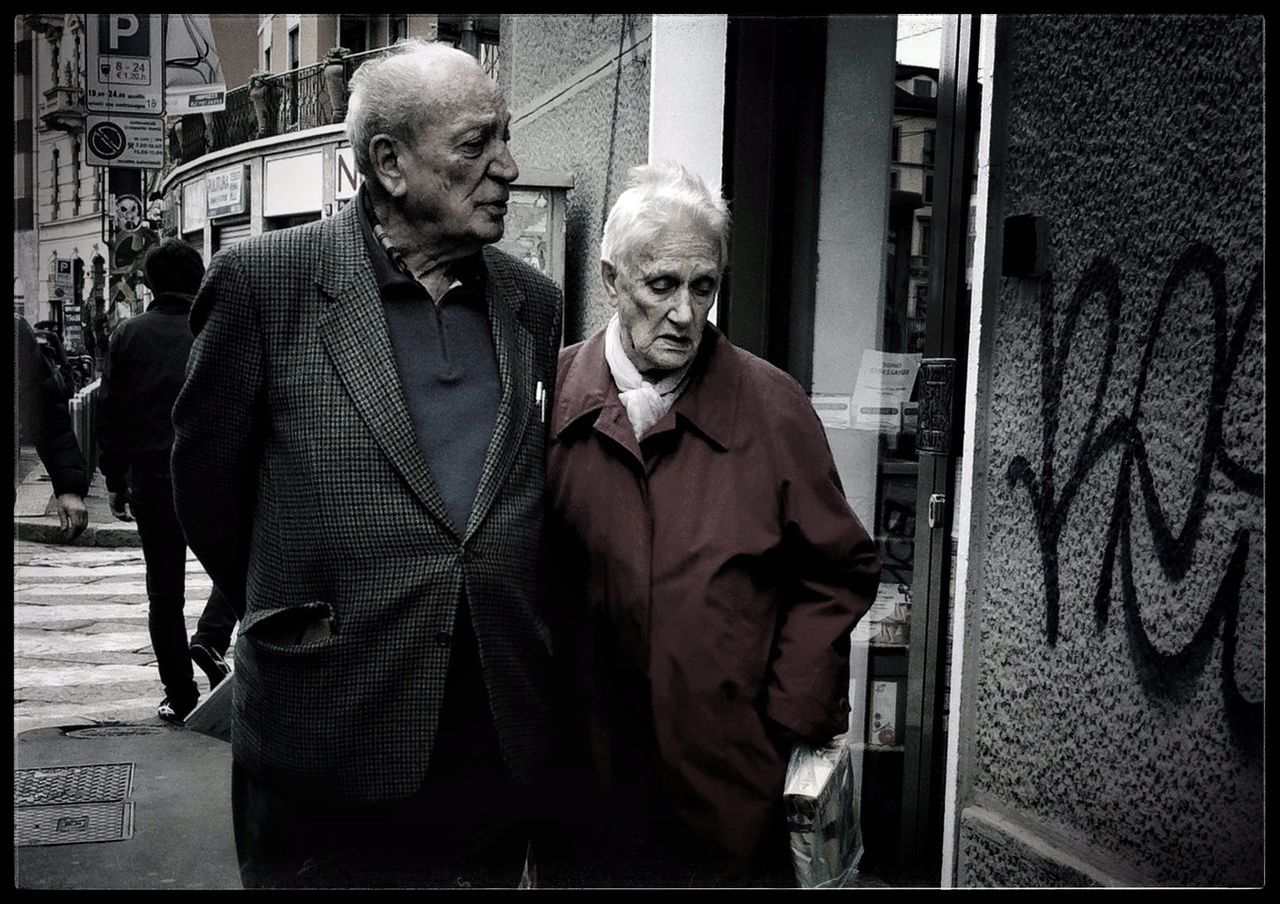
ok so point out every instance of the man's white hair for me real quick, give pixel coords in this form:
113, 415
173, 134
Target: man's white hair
656, 195
389, 93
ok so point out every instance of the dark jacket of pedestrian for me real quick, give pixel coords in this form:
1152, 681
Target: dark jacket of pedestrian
43, 414
708, 588
141, 377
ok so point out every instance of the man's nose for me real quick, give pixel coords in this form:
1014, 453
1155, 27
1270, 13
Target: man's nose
503, 168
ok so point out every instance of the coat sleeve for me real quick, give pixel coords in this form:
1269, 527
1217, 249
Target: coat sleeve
45, 410
835, 571
219, 420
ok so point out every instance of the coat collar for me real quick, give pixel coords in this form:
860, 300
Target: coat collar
354, 331
708, 404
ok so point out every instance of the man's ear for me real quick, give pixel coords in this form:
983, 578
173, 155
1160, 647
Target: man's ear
609, 276
384, 156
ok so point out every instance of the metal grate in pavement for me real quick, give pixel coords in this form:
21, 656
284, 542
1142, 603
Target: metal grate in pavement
98, 783
72, 823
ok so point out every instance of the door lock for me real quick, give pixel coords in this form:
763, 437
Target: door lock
937, 505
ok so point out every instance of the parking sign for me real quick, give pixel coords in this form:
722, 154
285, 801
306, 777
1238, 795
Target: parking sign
125, 63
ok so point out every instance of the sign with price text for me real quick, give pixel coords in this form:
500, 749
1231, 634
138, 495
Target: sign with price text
125, 62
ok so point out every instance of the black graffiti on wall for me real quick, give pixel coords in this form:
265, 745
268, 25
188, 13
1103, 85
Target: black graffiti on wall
1051, 496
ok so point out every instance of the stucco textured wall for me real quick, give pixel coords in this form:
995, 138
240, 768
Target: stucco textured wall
1120, 670
544, 55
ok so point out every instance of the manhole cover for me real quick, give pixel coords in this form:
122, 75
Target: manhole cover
73, 824
72, 784
114, 731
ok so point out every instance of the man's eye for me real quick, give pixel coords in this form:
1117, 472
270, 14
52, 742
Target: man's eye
662, 286
704, 286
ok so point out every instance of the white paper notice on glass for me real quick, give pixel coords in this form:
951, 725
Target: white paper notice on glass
884, 386
833, 410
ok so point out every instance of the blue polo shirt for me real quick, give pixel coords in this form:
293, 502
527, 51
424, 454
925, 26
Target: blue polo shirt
447, 365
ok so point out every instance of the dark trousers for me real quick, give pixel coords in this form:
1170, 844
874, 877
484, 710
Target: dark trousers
165, 550
465, 827
217, 621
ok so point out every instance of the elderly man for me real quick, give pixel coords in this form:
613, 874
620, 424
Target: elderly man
359, 465
721, 569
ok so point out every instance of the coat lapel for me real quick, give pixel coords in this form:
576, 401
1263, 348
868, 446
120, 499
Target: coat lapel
513, 347
354, 332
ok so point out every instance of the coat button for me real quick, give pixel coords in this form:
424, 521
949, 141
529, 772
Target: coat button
443, 639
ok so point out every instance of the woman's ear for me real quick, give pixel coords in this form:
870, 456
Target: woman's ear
609, 276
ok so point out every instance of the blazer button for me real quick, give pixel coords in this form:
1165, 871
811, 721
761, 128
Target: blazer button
443, 639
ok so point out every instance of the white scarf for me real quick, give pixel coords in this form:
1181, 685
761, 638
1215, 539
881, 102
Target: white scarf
646, 402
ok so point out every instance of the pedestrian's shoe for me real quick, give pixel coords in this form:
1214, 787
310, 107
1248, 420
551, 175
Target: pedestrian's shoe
174, 712
210, 662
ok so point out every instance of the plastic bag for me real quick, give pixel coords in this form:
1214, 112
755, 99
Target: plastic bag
823, 815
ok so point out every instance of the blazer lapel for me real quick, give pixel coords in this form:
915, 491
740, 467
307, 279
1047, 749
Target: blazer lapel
354, 332
513, 346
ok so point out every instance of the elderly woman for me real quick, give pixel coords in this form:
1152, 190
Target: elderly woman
710, 572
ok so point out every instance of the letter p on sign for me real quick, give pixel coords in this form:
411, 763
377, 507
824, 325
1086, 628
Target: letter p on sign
125, 34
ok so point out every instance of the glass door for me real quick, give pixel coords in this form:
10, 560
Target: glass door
848, 167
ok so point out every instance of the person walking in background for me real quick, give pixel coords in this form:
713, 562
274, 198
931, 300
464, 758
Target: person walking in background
711, 569
143, 371
359, 465
41, 411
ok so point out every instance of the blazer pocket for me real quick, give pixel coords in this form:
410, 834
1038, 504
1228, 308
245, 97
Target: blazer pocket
295, 626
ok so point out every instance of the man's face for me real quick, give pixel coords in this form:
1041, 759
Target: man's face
458, 172
663, 295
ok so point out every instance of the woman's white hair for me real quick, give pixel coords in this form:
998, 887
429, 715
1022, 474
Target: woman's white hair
657, 194
390, 92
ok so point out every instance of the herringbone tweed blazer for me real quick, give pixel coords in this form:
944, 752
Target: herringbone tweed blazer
300, 484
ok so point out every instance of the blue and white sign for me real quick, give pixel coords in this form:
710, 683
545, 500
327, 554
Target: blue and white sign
125, 62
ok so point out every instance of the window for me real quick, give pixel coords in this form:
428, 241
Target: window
293, 78
928, 189
265, 23
75, 177
99, 180
353, 33
930, 136
397, 28
926, 236
893, 180
896, 152
922, 87
57, 188
57, 62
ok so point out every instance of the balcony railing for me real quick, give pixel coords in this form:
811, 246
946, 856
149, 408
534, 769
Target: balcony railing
291, 101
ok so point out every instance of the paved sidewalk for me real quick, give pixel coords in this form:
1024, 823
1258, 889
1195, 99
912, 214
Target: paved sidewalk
179, 821
175, 813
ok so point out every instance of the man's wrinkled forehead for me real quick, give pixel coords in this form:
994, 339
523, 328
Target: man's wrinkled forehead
460, 91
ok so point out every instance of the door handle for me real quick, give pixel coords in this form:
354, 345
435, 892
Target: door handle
937, 505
